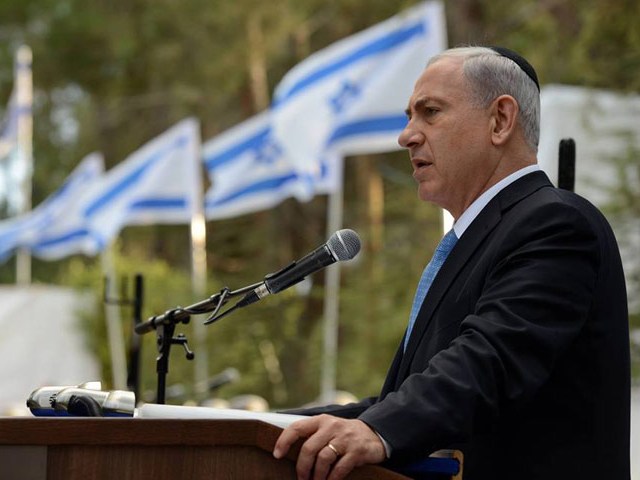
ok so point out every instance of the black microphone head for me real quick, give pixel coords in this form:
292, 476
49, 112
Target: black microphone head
344, 244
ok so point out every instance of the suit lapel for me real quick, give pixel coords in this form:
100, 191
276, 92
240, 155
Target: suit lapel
472, 239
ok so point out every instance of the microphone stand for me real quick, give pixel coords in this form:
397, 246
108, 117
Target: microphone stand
165, 326
165, 339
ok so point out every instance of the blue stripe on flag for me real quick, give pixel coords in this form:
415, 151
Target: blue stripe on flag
131, 179
69, 236
379, 45
159, 203
273, 183
231, 153
391, 123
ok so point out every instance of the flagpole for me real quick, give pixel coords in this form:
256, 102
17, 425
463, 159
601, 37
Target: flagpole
114, 325
24, 89
199, 275
332, 294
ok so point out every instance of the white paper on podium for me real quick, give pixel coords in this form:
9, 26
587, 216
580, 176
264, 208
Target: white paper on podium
153, 410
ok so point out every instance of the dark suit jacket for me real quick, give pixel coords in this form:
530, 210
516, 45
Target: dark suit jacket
520, 353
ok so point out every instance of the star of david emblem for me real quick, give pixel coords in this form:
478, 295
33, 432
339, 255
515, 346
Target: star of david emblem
268, 152
348, 91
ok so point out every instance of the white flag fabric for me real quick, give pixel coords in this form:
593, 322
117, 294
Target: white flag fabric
351, 96
348, 98
43, 230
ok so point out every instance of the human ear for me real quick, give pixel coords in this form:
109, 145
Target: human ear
504, 117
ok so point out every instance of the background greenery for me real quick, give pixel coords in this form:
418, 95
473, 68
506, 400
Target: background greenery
111, 74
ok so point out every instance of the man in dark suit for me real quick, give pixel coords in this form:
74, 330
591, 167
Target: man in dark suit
517, 353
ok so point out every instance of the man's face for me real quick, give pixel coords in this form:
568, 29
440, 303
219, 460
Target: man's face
448, 138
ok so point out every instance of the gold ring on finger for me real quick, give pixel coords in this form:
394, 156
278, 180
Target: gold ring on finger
334, 450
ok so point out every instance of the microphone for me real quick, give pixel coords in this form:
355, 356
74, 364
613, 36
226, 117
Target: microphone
115, 403
342, 245
40, 401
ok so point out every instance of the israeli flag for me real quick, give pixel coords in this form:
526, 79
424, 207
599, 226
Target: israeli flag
248, 171
158, 184
43, 230
351, 97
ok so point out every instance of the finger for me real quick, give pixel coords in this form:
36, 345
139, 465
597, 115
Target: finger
314, 455
342, 468
284, 442
291, 434
325, 459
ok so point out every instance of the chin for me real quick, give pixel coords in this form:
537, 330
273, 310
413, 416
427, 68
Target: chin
425, 195
429, 197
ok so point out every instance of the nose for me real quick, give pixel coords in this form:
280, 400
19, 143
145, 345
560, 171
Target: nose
409, 137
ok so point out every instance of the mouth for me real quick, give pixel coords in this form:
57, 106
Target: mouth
419, 165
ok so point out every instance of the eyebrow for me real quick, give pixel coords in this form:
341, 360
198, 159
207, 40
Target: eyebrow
419, 104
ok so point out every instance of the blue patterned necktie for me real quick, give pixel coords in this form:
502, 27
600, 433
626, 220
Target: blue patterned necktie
439, 256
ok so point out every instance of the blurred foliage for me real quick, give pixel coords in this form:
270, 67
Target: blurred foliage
110, 75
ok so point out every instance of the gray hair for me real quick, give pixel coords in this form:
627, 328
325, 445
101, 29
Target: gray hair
491, 75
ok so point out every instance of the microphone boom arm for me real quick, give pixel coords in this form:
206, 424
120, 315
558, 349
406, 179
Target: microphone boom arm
182, 315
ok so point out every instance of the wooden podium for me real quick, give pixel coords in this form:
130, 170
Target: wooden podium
141, 449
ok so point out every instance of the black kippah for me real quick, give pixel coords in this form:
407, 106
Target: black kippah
520, 61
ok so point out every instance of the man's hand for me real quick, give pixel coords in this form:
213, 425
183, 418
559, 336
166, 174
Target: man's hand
333, 448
